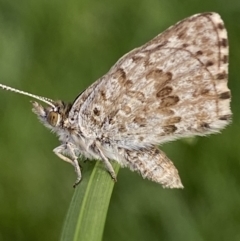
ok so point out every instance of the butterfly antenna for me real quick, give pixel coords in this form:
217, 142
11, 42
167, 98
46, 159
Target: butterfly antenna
43, 99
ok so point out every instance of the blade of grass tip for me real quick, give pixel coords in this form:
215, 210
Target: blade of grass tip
87, 213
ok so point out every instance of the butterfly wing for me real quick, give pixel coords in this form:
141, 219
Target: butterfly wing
173, 86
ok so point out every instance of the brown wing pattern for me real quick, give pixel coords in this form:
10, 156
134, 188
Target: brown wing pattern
173, 86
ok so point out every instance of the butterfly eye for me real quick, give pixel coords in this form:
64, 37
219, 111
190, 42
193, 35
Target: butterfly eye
53, 118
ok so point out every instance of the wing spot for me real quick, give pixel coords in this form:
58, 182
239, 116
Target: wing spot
96, 111
161, 79
199, 52
129, 83
220, 26
173, 120
182, 34
111, 121
209, 63
159, 46
225, 95
205, 91
222, 75
224, 42
163, 92
225, 59
165, 111
140, 121
122, 128
205, 40
154, 74
169, 129
103, 95
205, 125
111, 117
120, 75
137, 59
169, 101
126, 109
162, 44
225, 117
199, 26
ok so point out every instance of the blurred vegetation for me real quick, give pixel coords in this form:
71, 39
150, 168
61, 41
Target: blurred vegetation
56, 49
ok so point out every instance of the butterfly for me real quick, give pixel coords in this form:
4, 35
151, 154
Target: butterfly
173, 86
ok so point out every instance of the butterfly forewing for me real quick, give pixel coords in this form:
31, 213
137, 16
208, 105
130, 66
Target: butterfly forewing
173, 86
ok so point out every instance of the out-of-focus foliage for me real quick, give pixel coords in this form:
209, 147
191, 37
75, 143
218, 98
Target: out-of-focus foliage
56, 49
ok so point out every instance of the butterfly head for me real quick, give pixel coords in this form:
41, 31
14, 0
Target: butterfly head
53, 116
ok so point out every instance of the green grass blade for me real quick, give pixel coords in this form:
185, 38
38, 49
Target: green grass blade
87, 213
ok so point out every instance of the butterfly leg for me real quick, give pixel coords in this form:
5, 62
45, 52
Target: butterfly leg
61, 151
97, 147
109, 168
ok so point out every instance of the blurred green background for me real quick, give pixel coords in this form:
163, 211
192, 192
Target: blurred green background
56, 48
